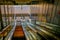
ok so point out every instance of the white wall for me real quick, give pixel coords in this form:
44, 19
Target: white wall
23, 10
16, 9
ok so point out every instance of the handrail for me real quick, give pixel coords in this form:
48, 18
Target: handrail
29, 34
4, 29
27, 38
31, 27
49, 24
46, 32
3, 33
9, 36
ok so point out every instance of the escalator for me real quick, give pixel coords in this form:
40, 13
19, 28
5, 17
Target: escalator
5, 32
18, 33
29, 31
45, 32
54, 29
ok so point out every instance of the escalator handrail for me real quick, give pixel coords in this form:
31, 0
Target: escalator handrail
48, 33
4, 29
25, 32
49, 24
9, 36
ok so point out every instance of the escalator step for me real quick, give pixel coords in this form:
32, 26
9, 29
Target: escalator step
18, 38
18, 34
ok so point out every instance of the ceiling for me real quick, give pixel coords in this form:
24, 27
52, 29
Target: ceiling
24, 2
